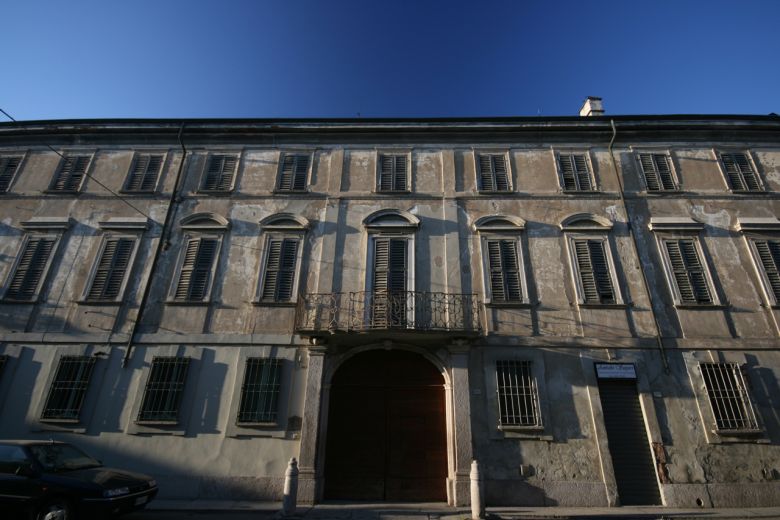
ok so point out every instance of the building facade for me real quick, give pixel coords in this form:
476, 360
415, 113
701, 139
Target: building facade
587, 306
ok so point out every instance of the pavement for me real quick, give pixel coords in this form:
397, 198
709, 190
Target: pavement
236, 510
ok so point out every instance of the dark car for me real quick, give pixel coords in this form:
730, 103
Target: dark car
47, 480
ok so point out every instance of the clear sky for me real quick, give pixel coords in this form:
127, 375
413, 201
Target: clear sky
333, 58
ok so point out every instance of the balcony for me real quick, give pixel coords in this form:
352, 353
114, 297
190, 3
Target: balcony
410, 311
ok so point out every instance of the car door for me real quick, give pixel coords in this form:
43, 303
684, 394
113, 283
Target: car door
18, 488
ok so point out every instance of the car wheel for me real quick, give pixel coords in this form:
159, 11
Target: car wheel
55, 510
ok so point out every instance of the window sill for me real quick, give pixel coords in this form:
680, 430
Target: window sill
582, 192
701, 306
216, 193
738, 433
661, 193
189, 302
62, 192
518, 428
496, 192
9, 301
393, 192
594, 305
138, 192
59, 421
751, 192
261, 303
157, 423
293, 192
101, 303
265, 425
516, 305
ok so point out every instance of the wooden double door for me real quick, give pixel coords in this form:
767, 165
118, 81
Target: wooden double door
386, 437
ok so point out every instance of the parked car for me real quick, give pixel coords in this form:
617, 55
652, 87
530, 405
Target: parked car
48, 480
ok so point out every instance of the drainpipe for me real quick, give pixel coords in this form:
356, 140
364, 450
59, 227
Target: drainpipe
631, 234
164, 243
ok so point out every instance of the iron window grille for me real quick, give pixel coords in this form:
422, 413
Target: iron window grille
739, 172
111, 269
196, 272
657, 170
260, 391
164, 390
518, 397
493, 172
143, 173
220, 172
70, 174
768, 253
295, 170
68, 389
8, 167
280, 267
393, 172
34, 259
688, 272
593, 272
505, 284
728, 396
575, 172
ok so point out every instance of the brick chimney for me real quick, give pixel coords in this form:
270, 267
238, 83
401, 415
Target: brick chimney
592, 107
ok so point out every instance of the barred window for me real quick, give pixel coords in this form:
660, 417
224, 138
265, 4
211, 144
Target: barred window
143, 173
68, 389
769, 257
493, 172
164, 389
30, 271
111, 268
518, 398
70, 173
729, 397
739, 172
260, 391
8, 167
279, 275
393, 172
657, 171
295, 169
575, 172
505, 285
595, 280
196, 272
688, 273
220, 172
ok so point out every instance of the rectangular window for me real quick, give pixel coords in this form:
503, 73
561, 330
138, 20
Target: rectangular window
518, 398
143, 174
67, 392
295, 170
769, 257
260, 391
389, 298
164, 389
740, 172
220, 172
688, 271
30, 271
111, 269
594, 273
8, 167
657, 170
279, 277
493, 172
393, 172
575, 173
504, 268
70, 173
196, 271
728, 396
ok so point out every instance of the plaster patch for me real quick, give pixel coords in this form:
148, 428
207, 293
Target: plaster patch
720, 219
615, 214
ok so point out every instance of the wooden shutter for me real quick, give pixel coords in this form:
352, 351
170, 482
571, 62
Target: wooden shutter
688, 271
8, 166
594, 272
739, 172
575, 173
657, 171
504, 271
279, 278
295, 168
493, 173
195, 277
769, 255
392, 173
220, 172
143, 175
30, 269
389, 265
111, 269
71, 172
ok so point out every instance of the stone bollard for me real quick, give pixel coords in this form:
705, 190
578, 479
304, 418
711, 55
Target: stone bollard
290, 488
477, 507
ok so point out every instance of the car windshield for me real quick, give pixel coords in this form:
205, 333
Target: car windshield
62, 457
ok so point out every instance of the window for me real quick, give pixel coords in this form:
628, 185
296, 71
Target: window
518, 398
280, 266
575, 173
3, 361
294, 172
111, 268
260, 391
8, 167
593, 273
68, 389
767, 251
197, 269
739, 172
143, 173
728, 396
657, 170
164, 389
504, 268
220, 172
493, 172
32, 265
688, 275
71, 173
389, 305
393, 174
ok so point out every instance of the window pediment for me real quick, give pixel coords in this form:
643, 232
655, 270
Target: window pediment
586, 222
391, 219
205, 221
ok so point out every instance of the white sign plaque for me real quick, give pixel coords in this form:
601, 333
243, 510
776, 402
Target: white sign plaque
615, 371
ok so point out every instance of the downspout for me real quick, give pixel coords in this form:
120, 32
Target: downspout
631, 234
161, 245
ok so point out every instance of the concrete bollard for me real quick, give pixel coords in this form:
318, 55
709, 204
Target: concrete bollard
477, 507
290, 497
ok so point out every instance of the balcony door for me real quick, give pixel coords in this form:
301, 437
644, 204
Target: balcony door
390, 302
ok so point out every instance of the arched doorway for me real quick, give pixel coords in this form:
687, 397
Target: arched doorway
386, 435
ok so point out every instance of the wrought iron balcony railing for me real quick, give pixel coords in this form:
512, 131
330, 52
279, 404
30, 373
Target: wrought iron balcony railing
407, 310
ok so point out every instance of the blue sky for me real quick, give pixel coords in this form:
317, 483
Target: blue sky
306, 58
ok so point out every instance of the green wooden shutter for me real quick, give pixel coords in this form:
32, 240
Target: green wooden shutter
688, 271
740, 172
295, 169
594, 272
8, 167
219, 173
505, 283
279, 278
486, 179
143, 175
30, 269
568, 175
195, 276
71, 172
111, 269
769, 255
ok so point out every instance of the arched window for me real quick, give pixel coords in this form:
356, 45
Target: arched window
282, 257
203, 234
504, 280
